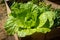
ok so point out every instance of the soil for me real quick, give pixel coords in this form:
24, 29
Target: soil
55, 1
2, 20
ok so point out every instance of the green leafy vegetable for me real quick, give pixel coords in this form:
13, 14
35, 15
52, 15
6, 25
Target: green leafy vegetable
43, 19
28, 18
57, 19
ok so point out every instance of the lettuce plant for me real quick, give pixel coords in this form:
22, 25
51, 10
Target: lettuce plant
28, 18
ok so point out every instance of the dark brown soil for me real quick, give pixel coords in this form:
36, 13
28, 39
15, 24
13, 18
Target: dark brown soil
55, 1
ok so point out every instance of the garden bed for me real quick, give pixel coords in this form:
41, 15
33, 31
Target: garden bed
39, 36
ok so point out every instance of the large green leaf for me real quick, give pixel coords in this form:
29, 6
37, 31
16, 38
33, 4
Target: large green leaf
43, 30
43, 19
51, 16
23, 33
